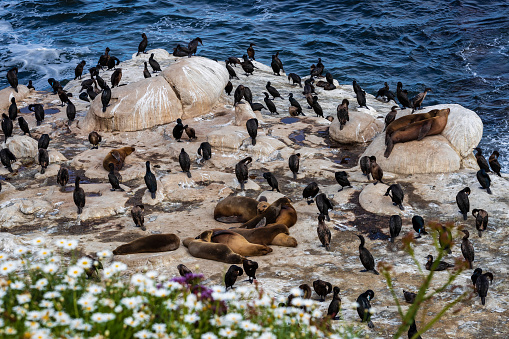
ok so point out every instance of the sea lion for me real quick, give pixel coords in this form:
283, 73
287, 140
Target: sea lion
203, 248
407, 120
239, 244
287, 215
150, 244
117, 158
417, 130
262, 235
236, 209
270, 214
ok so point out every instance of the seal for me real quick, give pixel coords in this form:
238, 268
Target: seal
270, 214
150, 244
239, 244
262, 235
407, 120
417, 130
287, 215
203, 248
234, 209
117, 158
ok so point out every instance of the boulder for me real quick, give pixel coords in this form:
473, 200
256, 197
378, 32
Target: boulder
463, 130
243, 112
7, 93
22, 146
361, 128
373, 199
227, 138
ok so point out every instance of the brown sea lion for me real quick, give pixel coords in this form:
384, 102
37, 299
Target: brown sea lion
117, 158
283, 240
236, 209
262, 235
150, 244
270, 214
239, 244
407, 120
418, 130
203, 248
287, 215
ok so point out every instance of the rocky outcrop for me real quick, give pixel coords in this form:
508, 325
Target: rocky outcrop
243, 112
22, 146
362, 127
7, 93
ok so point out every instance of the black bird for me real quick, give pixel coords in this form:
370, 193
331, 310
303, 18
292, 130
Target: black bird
7, 126
310, 191
323, 231
143, 44
329, 78
43, 159
55, 85
23, 125
360, 94
324, 205
205, 150
7, 158
376, 171
294, 103
12, 78
442, 265
276, 69
316, 107
272, 181
381, 92
228, 88
250, 268
481, 283
364, 307
62, 177
445, 239
418, 225
30, 85
183, 270
308, 86
146, 72
78, 71
238, 95
38, 110
412, 331
317, 70
270, 105
101, 82
63, 96
192, 46
391, 116
365, 166
484, 180
154, 64
342, 179
116, 76
481, 220
467, 249
94, 138
180, 51
78, 195
231, 72
395, 226
241, 171
232, 61
106, 97
342, 112
137, 213
366, 258
91, 93
418, 99
295, 79
293, 163
463, 202
481, 160
397, 195
103, 59
273, 91
231, 275
150, 181
185, 162
409, 296
255, 106
247, 65
322, 288
84, 96
113, 179
85, 83
178, 130
402, 96
251, 51
279, 62
112, 62
335, 305
13, 109
252, 129
70, 111
494, 164
248, 95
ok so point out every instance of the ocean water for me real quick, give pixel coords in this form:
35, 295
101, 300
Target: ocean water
458, 48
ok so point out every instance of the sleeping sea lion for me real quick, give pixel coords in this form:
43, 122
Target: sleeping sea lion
239, 244
287, 215
203, 248
150, 244
117, 158
407, 120
270, 214
262, 235
236, 209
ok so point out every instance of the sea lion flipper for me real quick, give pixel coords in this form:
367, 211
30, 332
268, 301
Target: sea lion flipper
219, 232
425, 129
116, 155
261, 223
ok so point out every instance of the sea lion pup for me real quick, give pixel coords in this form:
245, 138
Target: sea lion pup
117, 157
185, 162
402, 96
7, 126
94, 138
265, 235
391, 116
154, 64
295, 103
467, 249
310, 191
238, 94
12, 78
366, 258
394, 226
150, 181
295, 79
272, 181
250, 268
335, 305
484, 180
62, 177
205, 151
481, 160
324, 234
113, 179
270, 105
228, 88
463, 202
481, 220
247, 65
6, 157
70, 112
235, 209
13, 109
365, 166
143, 44
481, 283
137, 213
270, 214
342, 112
276, 69
78, 195
251, 51
431, 266
418, 99
146, 72
409, 296
273, 91
183, 270
324, 205
192, 46
78, 71
418, 130
364, 308
178, 130
397, 195
241, 171
418, 225
494, 164
231, 276
116, 77
342, 179
106, 97
201, 247
239, 244
293, 163
317, 108
322, 288
150, 244
43, 159
376, 170
252, 129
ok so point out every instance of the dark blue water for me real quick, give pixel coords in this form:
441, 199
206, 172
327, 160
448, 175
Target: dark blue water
458, 48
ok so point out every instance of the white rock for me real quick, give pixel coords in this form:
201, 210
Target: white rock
22, 146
